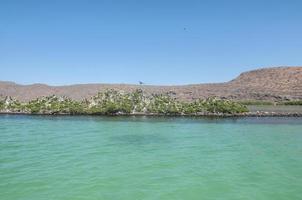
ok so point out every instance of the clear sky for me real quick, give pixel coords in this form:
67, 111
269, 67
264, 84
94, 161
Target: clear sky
154, 41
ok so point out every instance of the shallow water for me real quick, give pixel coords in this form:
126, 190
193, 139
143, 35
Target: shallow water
70, 158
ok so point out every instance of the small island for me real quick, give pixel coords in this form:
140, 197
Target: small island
113, 102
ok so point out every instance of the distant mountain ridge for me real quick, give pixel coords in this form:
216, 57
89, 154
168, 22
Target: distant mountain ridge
273, 84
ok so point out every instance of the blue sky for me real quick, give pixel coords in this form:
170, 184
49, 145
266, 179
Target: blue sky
160, 42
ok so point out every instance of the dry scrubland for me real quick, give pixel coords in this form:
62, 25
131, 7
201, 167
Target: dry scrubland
267, 84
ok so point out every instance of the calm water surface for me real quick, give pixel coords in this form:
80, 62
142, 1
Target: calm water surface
70, 158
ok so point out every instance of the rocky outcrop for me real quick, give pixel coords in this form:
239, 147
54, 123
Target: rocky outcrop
272, 84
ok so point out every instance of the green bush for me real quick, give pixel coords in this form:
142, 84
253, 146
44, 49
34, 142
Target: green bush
53, 105
1, 105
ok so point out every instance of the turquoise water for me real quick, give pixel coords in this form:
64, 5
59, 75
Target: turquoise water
70, 158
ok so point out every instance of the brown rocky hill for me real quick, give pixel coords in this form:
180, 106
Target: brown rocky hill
274, 84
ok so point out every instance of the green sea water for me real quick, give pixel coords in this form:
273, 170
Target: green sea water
129, 158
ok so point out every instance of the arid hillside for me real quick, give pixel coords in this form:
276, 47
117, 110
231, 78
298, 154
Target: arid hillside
279, 83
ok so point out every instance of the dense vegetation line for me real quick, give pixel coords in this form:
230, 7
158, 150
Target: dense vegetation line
113, 102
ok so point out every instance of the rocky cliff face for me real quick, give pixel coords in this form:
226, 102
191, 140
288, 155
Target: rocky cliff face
274, 84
